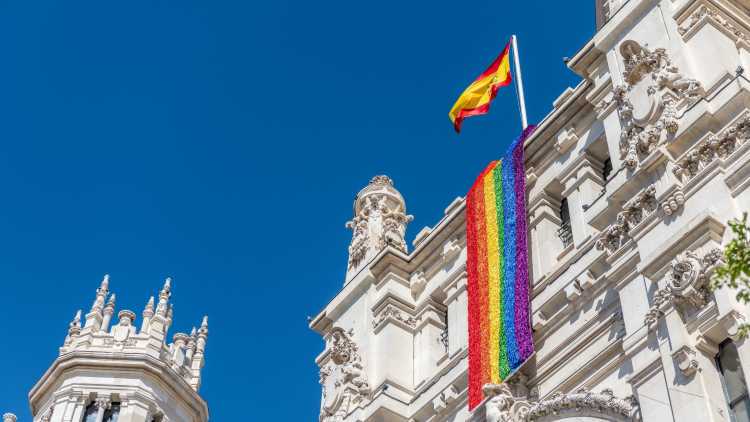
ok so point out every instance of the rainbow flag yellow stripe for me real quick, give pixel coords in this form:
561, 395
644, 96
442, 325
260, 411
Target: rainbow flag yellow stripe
500, 338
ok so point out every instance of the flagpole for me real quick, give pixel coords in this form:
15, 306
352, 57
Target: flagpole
519, 83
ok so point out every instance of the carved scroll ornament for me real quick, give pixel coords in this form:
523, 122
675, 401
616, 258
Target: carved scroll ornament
343, 378
649, 100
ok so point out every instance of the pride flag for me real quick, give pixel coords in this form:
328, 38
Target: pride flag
476, 99
500, 338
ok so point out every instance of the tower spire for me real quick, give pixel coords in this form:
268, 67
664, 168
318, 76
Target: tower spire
94, 317
164, 294
148, 313
109, 310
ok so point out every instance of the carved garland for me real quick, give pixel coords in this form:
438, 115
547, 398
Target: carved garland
505, 406
705, 13
716, 147
393, 313
633, 213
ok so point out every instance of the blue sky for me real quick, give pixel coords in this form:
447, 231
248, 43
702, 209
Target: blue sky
222, 143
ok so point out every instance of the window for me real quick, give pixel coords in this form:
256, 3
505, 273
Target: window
606, 170
564, 232
733, 380
110, 415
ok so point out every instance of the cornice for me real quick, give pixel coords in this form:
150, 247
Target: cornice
112, 362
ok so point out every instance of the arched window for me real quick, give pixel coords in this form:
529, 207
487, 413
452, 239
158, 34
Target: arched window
733, 380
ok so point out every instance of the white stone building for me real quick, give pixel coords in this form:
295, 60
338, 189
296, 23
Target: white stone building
120, 374
631, 178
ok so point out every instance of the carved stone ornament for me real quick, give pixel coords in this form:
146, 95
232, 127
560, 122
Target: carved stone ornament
648, 102
687, 284
343, 378
706, 13
506, 405
393, 313
586, 402
380, 220
716, 147
124, 329
633, 212
686, 361
47, 416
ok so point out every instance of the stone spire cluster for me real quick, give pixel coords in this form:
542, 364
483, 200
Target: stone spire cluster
185, 355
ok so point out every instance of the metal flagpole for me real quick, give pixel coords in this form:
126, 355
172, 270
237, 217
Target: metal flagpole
519, 83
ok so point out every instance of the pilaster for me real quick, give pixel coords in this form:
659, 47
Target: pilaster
544, 222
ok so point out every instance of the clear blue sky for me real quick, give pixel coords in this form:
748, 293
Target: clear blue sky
222, 143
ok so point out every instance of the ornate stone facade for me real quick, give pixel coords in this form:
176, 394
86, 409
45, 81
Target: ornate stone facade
649, 100
380, 220
649, 152
343, 378
138, 374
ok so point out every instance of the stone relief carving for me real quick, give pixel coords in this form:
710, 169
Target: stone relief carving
705, 13
673, 202
633, 212
648, 102
379, 220
506, 405
47, 416
343, 379
393, 313
604, 403
687, 284
716, 147
686, 361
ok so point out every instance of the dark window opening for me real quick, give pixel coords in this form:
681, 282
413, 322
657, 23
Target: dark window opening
606, 170
110, 415
565, 233
733, 381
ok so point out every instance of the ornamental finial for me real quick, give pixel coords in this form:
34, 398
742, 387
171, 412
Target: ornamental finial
379, 221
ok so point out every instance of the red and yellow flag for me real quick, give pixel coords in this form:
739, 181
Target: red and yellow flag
476, 99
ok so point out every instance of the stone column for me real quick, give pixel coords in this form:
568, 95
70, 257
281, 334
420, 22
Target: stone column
135, 411
428, 349
72, 410
543, 224
102, 404
681, 369
634, 305
394, 344
457, 302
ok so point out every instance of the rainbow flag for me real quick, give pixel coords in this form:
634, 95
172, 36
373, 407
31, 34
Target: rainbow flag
500, 338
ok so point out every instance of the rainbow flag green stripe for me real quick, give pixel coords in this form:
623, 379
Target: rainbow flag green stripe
500, 338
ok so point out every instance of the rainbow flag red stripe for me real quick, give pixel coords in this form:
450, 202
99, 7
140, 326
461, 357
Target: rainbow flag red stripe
500, 338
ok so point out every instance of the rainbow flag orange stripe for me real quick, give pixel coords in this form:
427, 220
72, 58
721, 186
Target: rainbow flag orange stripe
500, 338
476, 99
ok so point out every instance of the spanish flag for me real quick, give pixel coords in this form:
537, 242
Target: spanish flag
476, 99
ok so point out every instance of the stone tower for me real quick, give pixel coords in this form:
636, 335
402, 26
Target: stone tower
109, 371
379, 221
